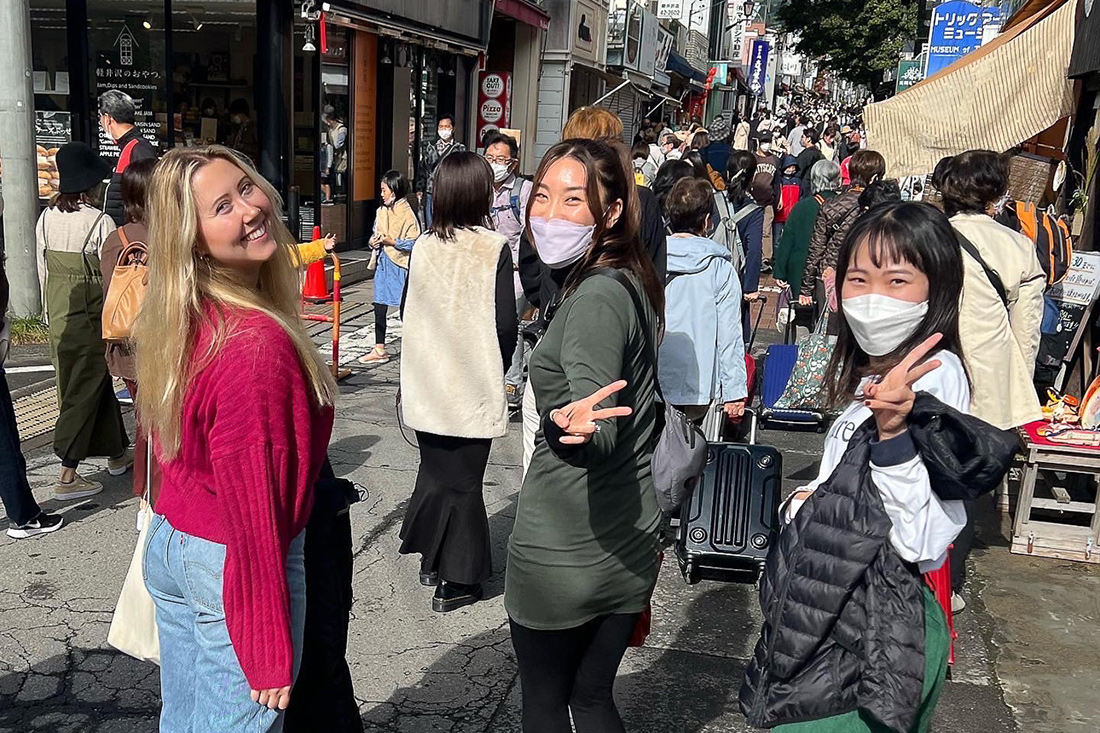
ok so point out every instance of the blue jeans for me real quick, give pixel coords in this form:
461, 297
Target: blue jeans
202, 686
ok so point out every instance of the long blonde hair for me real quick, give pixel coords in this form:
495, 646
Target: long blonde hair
180, 282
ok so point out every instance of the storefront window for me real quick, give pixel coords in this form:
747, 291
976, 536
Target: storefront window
53, 119
332, 126
126, 41
213, 73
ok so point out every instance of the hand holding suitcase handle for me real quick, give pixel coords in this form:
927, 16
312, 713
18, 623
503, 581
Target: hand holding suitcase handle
578, 419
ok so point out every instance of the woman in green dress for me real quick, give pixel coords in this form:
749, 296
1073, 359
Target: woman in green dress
583, 556
68, 237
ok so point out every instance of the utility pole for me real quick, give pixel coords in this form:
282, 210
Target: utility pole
19, 158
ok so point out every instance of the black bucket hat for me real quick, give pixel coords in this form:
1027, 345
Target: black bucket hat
79, 168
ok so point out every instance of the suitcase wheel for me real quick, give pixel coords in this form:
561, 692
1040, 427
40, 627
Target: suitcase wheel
689, 573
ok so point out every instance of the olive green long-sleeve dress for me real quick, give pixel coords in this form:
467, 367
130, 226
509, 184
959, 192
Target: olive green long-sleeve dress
585, 542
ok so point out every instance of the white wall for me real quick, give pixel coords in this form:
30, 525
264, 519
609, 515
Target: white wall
553, 93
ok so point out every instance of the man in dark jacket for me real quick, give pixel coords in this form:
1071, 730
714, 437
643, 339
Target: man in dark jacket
116, 118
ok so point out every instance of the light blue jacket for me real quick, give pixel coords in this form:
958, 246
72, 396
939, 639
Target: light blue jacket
702, 356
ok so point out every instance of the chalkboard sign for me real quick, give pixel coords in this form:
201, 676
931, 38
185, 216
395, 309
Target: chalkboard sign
1073, 298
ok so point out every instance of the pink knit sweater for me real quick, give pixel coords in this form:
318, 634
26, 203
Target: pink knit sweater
252, 444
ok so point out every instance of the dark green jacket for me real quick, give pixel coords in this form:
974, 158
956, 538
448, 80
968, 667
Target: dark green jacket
790, 255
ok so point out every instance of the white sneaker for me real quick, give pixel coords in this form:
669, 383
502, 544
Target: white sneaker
958, 605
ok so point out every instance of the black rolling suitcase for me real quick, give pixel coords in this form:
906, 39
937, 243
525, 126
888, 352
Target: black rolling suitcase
732, 518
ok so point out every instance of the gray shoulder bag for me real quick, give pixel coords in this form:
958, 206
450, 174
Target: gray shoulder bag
680, 452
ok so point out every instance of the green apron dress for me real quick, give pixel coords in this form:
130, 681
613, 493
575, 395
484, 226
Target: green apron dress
89, 421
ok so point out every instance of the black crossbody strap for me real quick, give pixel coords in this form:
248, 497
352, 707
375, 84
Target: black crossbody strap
994, 278
643, 321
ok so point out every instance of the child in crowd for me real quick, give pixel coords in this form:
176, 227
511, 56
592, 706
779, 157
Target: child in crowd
853, 638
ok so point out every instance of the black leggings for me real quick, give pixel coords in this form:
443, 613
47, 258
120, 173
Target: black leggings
572, 670
380, 312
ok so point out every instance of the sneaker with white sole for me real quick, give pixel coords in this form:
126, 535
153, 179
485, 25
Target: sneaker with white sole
78, 488
958, 605
122, 464
42, 524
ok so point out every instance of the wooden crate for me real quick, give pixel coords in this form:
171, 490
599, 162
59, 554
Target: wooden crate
1046, 536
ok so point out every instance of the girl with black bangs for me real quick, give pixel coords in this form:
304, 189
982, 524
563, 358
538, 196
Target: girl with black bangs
853, 639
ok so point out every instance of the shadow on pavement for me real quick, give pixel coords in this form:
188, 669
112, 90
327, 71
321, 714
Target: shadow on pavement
82, 691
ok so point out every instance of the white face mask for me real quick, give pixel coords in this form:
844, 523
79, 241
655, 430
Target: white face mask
559, 242
445, 133
500, 171
880, 323
639, 162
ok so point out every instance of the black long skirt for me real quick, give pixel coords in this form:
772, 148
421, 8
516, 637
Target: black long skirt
446, 521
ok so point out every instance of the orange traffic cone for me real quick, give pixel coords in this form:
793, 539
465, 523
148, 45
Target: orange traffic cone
316, 285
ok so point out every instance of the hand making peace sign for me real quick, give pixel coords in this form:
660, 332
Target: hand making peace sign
891, 398
578, 419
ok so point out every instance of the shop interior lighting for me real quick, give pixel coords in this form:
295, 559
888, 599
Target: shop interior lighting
386, 54
308, 46
147, 25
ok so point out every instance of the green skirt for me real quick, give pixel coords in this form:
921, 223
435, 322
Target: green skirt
937, 649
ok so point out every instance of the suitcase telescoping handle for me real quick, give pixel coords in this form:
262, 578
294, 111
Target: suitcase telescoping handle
763, 300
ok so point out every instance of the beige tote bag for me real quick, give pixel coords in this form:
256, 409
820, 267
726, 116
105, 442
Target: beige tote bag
134, 624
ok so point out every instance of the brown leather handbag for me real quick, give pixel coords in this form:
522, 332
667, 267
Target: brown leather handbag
127, 290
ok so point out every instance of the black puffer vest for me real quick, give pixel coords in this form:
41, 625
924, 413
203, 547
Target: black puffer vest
843, 616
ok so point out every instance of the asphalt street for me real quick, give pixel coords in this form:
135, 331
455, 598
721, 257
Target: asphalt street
1027, 648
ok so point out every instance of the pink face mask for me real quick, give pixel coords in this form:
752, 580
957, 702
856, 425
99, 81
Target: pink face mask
560, 242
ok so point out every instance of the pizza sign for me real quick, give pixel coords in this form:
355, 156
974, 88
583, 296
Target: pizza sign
494, 108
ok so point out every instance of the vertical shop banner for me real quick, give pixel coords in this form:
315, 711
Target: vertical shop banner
758, 67
51, 131
494, 102
647, 62
957, 28
909, 73
364, 125
129, 66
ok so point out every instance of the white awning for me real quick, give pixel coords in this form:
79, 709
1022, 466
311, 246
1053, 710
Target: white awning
995, 98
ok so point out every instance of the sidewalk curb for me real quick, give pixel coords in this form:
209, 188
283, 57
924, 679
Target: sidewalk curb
30, 389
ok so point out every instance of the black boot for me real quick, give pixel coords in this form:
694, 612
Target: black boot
452, 596
428, 576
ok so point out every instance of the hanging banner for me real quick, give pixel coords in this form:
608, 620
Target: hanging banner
957, 28
494, 102
365, 131
758, 67
909, 73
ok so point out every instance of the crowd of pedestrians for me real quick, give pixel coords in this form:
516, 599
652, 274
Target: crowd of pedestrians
631, 271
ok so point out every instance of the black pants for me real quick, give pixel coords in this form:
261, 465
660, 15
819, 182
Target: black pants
323, 698
961, 548
15, 492
572, 671
381, 310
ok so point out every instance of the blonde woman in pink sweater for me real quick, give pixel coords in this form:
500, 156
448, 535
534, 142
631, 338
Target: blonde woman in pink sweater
239, 404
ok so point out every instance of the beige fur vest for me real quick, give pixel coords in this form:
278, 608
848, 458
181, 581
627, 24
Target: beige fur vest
452, 378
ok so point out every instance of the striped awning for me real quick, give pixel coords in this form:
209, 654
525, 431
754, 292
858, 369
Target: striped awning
995, 98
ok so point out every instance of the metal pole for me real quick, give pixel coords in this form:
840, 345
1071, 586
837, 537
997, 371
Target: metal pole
19, 158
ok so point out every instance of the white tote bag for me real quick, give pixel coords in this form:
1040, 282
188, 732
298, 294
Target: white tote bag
134, 624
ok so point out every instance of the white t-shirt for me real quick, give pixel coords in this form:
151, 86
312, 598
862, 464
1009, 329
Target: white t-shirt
924, 525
